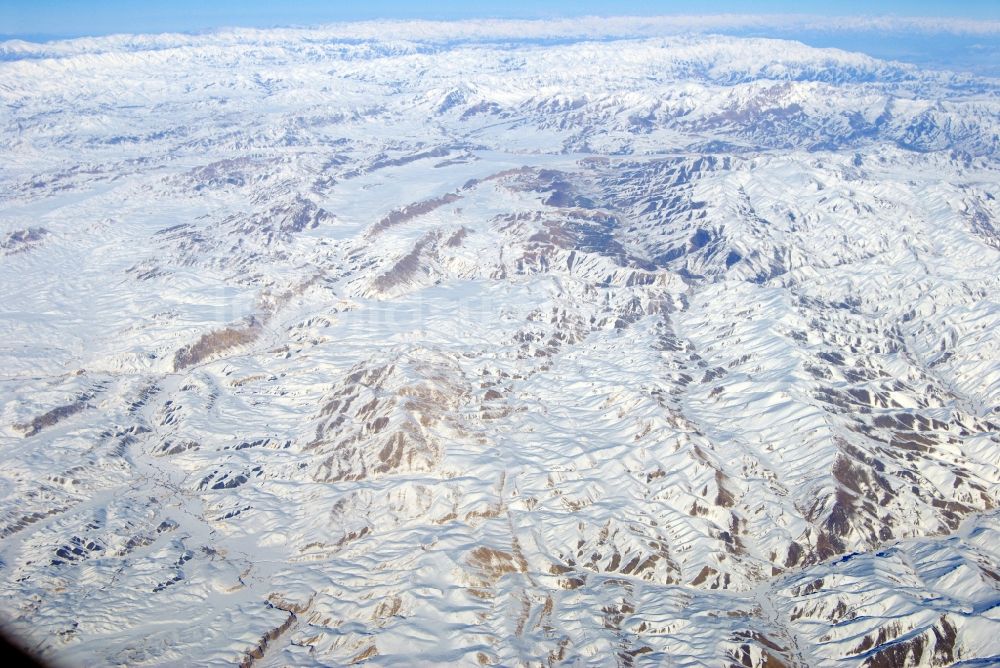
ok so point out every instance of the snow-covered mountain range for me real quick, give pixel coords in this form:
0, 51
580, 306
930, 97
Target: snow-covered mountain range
321, 348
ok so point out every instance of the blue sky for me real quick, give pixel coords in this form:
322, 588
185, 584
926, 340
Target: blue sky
54, 18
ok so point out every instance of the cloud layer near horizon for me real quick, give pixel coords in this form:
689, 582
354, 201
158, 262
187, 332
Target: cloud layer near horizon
483, 30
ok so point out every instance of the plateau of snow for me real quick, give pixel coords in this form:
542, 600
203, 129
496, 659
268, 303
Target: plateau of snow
321, 347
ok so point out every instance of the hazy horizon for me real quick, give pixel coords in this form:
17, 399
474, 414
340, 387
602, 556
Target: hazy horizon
963, 41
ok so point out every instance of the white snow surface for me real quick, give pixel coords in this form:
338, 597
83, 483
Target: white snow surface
418, 345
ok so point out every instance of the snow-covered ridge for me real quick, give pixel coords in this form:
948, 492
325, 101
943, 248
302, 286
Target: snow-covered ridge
669, 349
